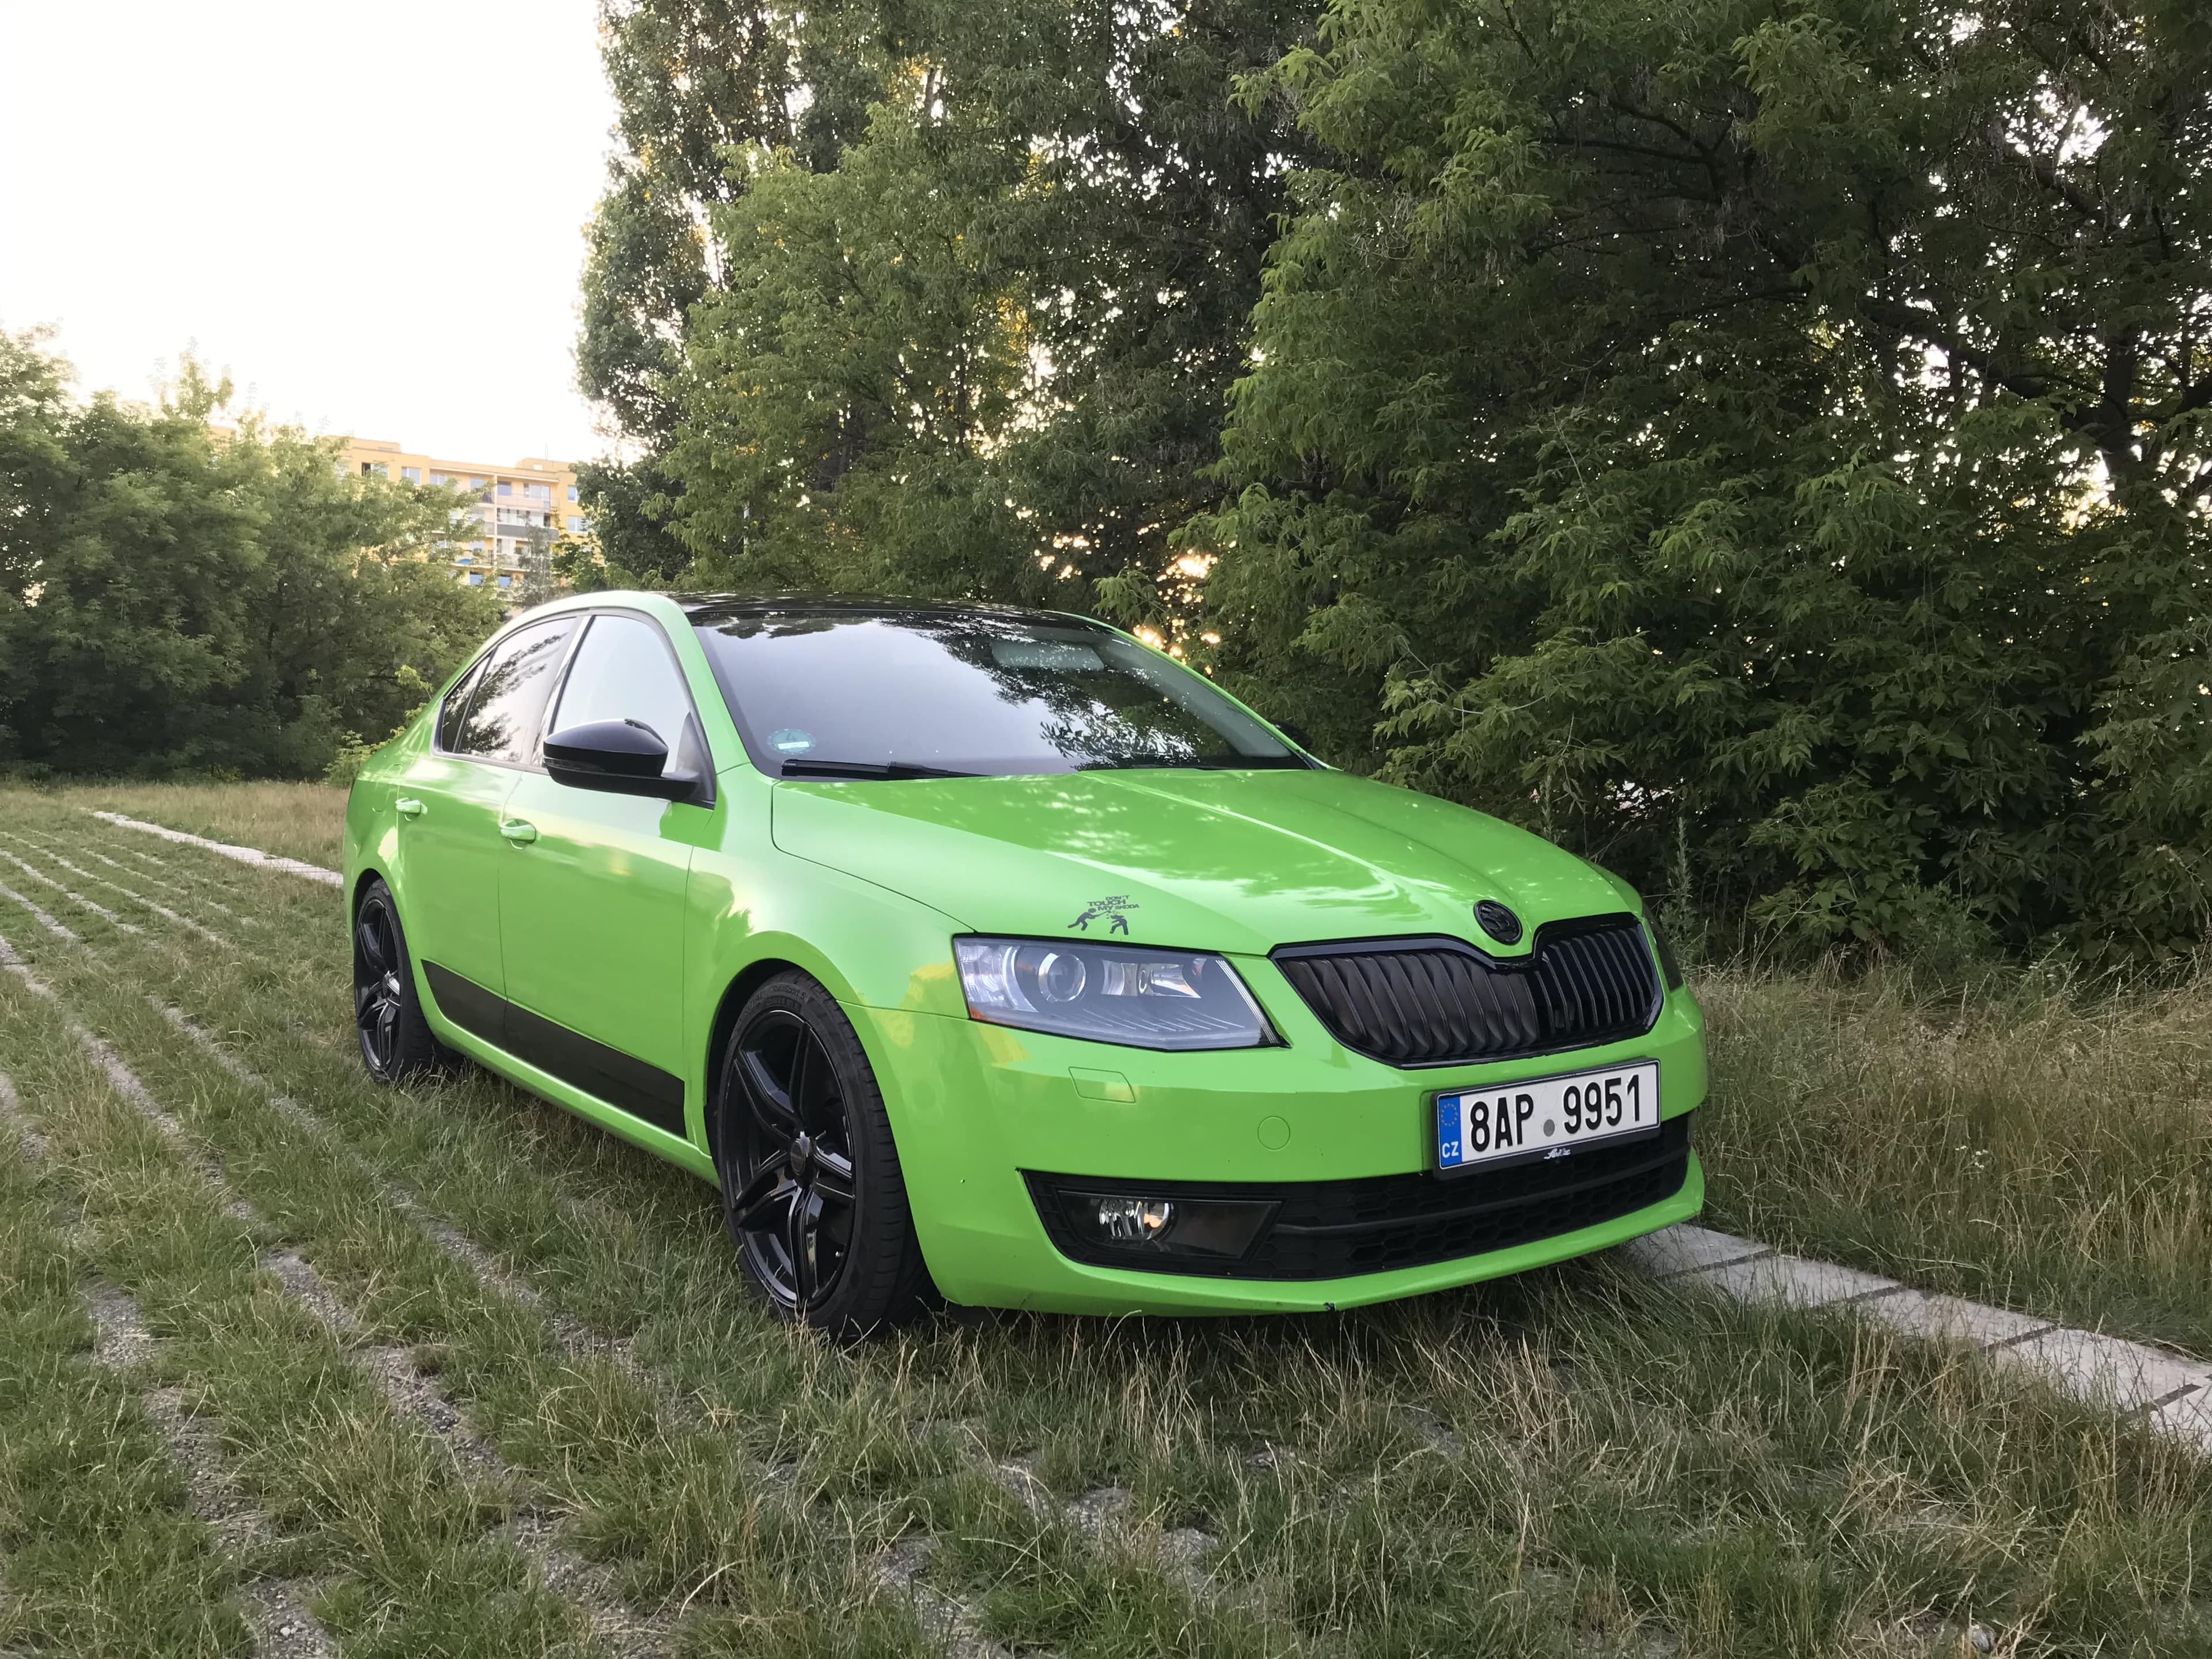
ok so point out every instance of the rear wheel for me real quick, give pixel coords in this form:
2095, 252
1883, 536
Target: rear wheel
811, 1188
396, 1041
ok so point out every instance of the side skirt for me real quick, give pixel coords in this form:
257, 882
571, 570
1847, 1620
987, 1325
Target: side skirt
623, 1081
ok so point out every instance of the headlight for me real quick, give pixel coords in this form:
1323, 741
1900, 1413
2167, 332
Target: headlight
1130, 995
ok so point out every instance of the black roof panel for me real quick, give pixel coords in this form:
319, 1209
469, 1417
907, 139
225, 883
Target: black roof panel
707, 609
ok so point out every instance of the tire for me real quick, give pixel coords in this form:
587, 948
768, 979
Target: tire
813, 1192
396, 1040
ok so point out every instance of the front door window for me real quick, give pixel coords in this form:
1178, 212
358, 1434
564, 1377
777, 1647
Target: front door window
623, 671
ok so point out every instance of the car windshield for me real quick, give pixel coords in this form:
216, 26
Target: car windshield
829, 693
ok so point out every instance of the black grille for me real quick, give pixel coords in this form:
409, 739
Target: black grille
1338, 1229
1441, 1002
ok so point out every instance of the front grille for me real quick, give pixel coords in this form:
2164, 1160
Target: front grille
1338, 1229
1441, 1002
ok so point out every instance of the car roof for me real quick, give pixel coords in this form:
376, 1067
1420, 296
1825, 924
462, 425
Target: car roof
705, 610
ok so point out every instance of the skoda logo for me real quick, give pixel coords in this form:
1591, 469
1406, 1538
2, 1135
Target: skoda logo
1500, 923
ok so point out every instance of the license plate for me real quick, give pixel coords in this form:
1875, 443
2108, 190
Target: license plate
1546, 1117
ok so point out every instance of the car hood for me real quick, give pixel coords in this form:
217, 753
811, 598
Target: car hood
1238, 861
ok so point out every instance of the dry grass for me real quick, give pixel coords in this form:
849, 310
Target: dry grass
300, 820
2026, 1141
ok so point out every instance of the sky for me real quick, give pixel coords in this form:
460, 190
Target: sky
371, 217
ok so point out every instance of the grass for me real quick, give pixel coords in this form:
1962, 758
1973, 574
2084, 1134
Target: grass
299, 820
2026, 1142
1571, 1462
101, 1555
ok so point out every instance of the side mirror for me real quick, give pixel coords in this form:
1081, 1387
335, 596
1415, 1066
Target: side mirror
623, 757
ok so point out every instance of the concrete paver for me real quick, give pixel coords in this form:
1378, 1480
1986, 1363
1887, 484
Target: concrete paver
1795, 1281
2171, 1395
1953, 1319
2104, 1370
1684, 1248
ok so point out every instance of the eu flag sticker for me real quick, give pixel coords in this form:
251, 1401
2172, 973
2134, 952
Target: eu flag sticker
1447, 1139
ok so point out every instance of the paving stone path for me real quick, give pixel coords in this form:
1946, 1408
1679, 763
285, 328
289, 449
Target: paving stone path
2172, 1394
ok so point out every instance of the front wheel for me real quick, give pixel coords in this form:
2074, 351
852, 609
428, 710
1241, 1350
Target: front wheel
811, 1188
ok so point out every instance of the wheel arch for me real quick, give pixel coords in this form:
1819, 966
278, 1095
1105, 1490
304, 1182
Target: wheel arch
368, 872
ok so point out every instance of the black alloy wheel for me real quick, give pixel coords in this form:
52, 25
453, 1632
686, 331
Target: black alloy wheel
811, 1188
396, 1041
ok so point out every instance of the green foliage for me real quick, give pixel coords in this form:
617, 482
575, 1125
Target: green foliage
175, 599
1771, 440
963, 325
1764, 447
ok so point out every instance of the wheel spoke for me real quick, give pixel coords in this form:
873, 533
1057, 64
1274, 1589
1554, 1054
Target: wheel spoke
770, 1101
372, 945
364, 1000
751, 1206
833, 1176
799, 1240
814, 1088
387, 1023
802, 1077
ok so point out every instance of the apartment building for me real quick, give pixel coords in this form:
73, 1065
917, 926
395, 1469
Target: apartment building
521, 509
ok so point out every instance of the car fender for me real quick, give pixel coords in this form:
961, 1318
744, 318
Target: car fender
753, 908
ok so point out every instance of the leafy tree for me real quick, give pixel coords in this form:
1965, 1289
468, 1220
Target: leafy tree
1764, 445
172, 599
692, 78
964, 323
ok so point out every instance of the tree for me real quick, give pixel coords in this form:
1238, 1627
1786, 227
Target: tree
965, 323
691, 79
172, 599
1765, 447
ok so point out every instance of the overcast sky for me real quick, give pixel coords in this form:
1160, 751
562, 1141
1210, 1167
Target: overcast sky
371, 216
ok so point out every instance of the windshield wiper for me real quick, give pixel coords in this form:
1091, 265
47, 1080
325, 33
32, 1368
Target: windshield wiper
836, 769
1192, 763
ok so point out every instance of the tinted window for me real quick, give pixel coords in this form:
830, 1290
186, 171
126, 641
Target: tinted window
455, 706
501, 723
967, 692
623, 671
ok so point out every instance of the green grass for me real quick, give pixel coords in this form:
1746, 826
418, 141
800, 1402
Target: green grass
102, 1556
1572, 1462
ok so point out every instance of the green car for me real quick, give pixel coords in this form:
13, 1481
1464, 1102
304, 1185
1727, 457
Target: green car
993, 956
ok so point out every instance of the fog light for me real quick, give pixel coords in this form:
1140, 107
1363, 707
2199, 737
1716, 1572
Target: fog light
1163, 1228
1133, 1220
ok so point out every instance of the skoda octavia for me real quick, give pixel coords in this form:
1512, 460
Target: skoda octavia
993, 955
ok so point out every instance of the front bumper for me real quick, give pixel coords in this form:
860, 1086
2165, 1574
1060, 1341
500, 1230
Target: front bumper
980, 1110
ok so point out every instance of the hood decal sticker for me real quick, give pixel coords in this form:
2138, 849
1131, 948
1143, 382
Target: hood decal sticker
1110, 909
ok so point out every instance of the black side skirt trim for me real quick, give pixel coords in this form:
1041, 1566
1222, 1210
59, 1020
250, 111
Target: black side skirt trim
624, 1081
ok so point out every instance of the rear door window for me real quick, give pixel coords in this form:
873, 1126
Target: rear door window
501, 723
450, 713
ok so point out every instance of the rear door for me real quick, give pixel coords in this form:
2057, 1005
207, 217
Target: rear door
592, 907
451, 802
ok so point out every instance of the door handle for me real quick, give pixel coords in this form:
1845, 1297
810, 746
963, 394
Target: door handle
520, 832
408, 807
